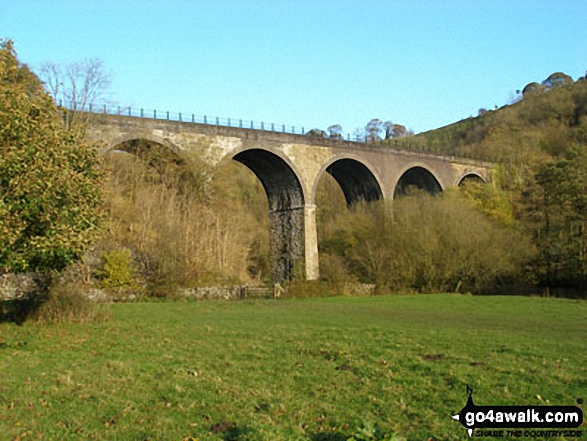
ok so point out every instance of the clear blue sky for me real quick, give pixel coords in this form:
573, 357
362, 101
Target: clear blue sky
315, 63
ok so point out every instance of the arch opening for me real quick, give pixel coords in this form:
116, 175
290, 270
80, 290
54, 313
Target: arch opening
356, 181
164, 164
414, 179
471, 178
152, 152
286, 210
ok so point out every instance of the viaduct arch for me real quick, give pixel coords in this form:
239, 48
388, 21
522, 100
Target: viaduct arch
289, 168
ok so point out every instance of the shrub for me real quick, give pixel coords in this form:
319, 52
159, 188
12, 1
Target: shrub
428, 244
118, 270
183, 238
67, 303
335, 271
50, 192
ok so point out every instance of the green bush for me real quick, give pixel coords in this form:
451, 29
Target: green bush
117, 271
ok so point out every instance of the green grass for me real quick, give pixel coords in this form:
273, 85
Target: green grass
289, 369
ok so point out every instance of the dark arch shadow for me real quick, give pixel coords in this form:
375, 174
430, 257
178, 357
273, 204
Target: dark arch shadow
471, 178
153, 153
286, 210
417, 178
169, 167
356, 181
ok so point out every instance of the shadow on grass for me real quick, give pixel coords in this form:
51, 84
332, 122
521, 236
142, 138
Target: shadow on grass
21, 296
19, 311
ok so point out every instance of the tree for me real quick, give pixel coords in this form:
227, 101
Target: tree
374, 130
76, 85
556, 212
50, 185
316, 133
557, 79
395, 130
335, 131
377, 130
532, 88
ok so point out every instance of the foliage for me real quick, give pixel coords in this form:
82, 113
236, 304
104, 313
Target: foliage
316, 133
68, 303
556, 212
553, 107
428, 244
118, 269
490, 200
50, 187
186, 224
335, 131
557, 79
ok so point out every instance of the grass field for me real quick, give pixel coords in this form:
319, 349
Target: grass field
317, 369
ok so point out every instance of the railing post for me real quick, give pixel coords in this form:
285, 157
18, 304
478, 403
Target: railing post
141, 113
193, 118
228, 122
240, 123
118, 109
154, 113
252, 124
179, 116
293, 130
205, 119
104, 109
91, 108
283, 128
129, 111
168, 115
217, 121
262, 125
303, 131
272, 127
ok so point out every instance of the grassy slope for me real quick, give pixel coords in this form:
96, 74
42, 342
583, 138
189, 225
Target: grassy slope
292, 369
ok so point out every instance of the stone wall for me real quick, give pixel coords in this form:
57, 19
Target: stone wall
22, 286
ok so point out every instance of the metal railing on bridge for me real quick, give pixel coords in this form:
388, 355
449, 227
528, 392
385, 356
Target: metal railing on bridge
408, 143
108, 109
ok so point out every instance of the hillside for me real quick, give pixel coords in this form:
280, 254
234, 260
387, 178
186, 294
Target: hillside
539, 127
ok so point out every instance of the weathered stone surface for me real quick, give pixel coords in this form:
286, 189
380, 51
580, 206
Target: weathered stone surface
290, 167
21, 286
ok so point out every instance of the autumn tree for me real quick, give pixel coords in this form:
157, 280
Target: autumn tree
50, 192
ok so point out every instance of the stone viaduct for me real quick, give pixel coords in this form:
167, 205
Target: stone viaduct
289, 167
